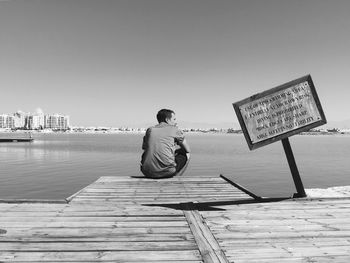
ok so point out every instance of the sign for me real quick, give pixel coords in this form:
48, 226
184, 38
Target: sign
280, 112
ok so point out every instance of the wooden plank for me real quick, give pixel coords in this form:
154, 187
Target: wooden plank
291, 252
48, 236
167, 186
98, 246
108, 261
275, 235
173, 191
90, 231
37, 207
143, 179
65, 218
276, 213
116, 224
175, 197
285, 242
290, 225
208, 246
122, 256
164, 201
285, 229
323, 259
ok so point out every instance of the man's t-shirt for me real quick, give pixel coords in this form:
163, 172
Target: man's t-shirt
159, 143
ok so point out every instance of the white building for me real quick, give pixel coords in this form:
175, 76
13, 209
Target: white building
7, 121
57, 122
20, 119
35, 122
3, 121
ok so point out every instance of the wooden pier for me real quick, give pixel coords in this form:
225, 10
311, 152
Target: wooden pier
183, 219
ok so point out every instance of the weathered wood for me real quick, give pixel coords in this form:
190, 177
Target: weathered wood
284, 231
98, 256
40, 201
167, 224
123, 219
286, 242
321, 259
207, 244
109, 221
100, 246
172, 191
66, 236
76, 232
60, 218
109, 261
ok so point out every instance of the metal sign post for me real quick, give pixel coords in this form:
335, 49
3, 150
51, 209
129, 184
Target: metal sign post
294, 169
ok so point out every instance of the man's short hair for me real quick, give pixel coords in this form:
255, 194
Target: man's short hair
164, 114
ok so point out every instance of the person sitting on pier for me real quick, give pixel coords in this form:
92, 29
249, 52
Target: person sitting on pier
160, 158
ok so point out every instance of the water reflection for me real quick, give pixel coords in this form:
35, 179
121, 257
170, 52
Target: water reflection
33, 152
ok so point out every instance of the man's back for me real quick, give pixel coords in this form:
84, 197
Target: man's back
159, 143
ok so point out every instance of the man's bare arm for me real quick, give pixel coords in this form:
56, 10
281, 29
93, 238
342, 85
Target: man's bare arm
185, 146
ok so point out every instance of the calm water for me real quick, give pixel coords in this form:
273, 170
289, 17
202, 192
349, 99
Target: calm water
56, 166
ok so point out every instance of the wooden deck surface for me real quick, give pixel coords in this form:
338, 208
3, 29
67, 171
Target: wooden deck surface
149, 191
184, 219
303, 230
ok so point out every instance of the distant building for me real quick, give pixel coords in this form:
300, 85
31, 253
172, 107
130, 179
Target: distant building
20, 119
10, 122
57, 122
3, 121
35, 122
7, 121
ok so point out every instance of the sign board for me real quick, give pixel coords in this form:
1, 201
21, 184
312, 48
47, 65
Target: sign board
280, 112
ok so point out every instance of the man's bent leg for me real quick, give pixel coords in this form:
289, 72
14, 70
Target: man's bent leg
180, 159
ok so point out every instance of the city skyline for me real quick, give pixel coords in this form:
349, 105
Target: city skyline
32, 121
37, 111
182, 124
128, 59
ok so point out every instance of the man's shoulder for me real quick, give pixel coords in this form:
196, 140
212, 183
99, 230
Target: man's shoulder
165, 127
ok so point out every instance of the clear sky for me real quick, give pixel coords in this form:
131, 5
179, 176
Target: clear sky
117, 62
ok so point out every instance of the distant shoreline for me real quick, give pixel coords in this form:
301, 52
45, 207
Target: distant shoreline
142, 131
